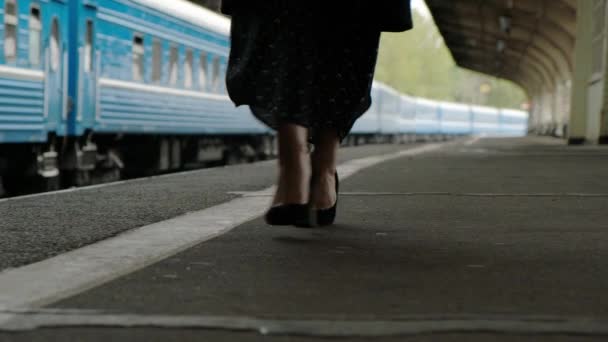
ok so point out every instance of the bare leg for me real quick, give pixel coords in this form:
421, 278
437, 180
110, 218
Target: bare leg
324, 163
294, 166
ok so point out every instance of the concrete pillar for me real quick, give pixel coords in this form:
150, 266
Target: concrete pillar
597, 91
534, 121
603, 119
562, 107
577, 127
566, 107
547, 111
597, 103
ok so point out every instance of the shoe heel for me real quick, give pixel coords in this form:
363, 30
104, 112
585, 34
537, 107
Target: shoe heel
287, 214
327, 217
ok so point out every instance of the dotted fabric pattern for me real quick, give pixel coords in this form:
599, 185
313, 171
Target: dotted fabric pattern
291, 65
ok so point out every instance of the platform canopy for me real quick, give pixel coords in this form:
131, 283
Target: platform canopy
211, 4
530, 42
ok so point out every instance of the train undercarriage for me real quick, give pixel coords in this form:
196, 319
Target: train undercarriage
95, 159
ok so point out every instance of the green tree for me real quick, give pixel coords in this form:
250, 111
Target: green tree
419, 64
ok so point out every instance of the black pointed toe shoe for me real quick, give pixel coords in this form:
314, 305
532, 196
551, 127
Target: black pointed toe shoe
288, 214
326, 217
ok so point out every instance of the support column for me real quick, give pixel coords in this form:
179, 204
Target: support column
582, 71
603, 120
548, 110
535, 114
562, 105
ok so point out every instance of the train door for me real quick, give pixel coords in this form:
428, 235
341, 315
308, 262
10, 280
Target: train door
55, 67
88, 69
83, 67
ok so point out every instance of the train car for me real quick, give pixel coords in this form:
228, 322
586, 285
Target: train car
485, 120
389, 109
151, 73
382, 122
96, 89
33, 87
368, 125
456, 119
513, 123
407, 118
428, 118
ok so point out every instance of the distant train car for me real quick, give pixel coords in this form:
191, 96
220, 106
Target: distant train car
455, 119
389, 109
384, 121
428, 117
513, 123
407, 116
368, 125
485, 120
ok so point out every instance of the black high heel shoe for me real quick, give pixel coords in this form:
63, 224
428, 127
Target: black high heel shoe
288, 214
326, 217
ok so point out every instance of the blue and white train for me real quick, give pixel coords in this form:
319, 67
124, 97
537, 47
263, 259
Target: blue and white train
92, 88
397, 116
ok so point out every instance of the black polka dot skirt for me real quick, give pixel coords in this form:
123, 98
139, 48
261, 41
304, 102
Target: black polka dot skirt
293, 66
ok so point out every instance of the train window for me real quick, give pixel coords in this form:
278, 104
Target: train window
35, 34
202, 72
88, 47
10, 30
54, 45
138, 58
215, 84
173, 56
188, 69
157, 60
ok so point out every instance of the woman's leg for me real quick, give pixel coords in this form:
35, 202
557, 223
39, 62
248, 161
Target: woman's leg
294, 166
324, 164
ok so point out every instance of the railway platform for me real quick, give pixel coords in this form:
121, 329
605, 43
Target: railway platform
479, 239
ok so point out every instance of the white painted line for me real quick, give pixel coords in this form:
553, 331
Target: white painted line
453, 194
322, 327
76, 271
473, 141
67, 274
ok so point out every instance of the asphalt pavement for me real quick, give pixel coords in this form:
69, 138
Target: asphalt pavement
34, 228
496, 240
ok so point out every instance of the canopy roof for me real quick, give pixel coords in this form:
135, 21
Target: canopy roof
530, 42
